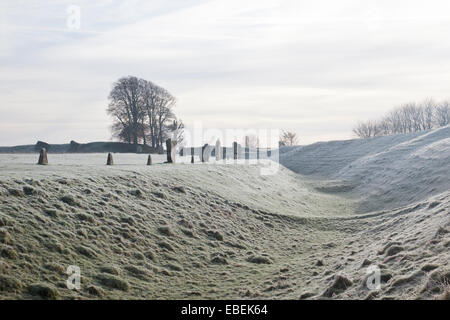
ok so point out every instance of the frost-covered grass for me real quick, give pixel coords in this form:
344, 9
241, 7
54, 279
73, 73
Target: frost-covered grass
383, 172
223, 231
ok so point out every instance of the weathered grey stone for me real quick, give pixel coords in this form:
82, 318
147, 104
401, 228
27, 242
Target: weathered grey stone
43, 157
205, 153
235, 150
192, 154
109, 161
149, 160
218, 150
247, 153
170, 149
224, 153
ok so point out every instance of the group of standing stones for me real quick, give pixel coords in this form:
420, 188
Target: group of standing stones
110, 162
43, 159
171, 152
219, 153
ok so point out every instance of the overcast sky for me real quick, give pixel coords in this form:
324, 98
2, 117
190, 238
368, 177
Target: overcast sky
314, 67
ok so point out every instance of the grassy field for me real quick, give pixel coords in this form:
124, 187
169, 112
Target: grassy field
208, 231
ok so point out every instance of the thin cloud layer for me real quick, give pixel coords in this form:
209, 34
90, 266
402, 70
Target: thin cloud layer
312, 67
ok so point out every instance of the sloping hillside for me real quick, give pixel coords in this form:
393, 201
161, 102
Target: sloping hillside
177, 231
165, 231
382, 172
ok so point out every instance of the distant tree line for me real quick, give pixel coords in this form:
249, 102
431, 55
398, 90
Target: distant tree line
287, 138
409, 117
142, 112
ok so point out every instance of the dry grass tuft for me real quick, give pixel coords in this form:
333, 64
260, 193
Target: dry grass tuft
110, 269
15, 192
88, 252
95, 291
8, 252
166, 230
339, 285
259, 259
5, 238
8, 283
70, 200
113, 282
44, 291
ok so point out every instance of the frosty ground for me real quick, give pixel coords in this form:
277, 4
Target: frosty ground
215, 231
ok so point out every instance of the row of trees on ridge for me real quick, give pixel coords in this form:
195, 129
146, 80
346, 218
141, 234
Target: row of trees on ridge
407, 118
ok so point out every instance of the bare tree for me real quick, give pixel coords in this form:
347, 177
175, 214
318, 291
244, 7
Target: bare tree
164, 113
177, 128
428, 110
149, 99
121, 131
442, 114
394, 122
384, 126
367, 129
141, 111
125, 106
289, 138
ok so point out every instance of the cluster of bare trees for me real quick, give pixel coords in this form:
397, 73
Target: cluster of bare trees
410, 117
142, 112
288, 138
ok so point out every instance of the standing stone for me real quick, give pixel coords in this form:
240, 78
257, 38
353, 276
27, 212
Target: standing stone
169, 150
235, 150
181, 152
218, 149
192, 159
109, 161
205, 153
149, 160
224, 153
269, 152
257, 153
170, 146
43, 157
